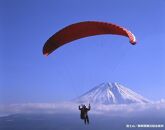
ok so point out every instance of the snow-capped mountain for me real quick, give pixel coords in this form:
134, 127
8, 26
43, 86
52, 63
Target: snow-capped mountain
111, 93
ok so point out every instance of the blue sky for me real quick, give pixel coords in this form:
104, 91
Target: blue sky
28, 76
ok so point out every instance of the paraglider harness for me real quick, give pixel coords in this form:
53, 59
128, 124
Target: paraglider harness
84, 111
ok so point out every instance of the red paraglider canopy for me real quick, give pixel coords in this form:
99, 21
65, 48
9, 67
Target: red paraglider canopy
84, 29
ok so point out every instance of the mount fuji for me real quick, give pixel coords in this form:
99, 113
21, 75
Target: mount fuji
111, 93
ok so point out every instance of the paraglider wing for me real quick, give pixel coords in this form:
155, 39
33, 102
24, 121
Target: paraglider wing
84, 29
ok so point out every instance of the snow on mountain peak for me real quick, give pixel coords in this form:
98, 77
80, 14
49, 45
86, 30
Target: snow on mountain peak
111, 93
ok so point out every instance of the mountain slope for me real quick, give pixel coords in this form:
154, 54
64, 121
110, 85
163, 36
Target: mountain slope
111, 93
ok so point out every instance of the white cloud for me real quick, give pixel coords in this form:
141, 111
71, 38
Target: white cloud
68, 107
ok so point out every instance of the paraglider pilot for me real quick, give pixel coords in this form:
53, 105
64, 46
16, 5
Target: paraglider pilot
84, 113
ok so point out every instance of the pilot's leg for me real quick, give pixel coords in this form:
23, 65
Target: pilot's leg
87, 118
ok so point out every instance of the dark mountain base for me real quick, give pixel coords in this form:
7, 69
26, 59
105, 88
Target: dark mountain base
73, 122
